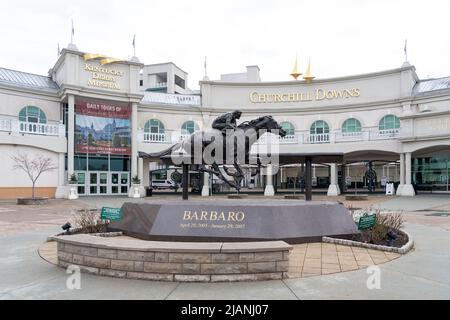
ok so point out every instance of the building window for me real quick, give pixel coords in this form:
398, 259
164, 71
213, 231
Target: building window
288, 127
141, 83
154, 126
32, 114
351, 125
189, 127
320, 127
180, 82
389, 122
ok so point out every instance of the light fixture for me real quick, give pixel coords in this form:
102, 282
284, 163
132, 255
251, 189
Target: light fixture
66, 227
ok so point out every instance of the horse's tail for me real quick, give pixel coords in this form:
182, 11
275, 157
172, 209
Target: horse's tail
160, 153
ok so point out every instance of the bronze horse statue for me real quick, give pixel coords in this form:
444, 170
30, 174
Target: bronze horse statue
220, 148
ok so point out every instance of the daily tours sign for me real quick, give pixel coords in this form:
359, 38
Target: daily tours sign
102, 127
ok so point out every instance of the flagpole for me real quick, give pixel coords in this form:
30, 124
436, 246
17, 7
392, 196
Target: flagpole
71, 35
406, 50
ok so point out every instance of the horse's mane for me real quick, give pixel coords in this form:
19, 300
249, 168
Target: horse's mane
252, 123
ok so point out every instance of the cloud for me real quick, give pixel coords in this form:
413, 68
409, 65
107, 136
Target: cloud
342, 37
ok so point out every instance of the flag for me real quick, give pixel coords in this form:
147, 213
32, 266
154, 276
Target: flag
405, 49
59, 51
134, 41
73, 29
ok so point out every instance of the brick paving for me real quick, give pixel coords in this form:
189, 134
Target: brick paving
314, 259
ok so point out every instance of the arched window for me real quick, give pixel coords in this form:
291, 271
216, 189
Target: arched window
32, 114
351, 125
288, 127
154, 126
189, 127
319, 127
389, 122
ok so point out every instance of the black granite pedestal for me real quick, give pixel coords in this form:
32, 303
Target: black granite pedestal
235, 220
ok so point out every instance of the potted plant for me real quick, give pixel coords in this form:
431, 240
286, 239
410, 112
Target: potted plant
73, 179
136, 180
73, 184
135, 190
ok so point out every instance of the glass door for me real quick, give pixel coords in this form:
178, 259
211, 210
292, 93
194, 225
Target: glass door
98, 183
119, 183
103, 183
93, 183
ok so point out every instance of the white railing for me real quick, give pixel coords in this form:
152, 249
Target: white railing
271, 138
317, 138
156, 137
5, 125
299, 138
159, 85
351, 136
168, 98
386, 134
39, 128
46, 129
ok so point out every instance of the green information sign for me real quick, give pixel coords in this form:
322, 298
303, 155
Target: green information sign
366, 222
110, 213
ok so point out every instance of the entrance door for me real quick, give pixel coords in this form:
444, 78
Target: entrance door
98, 183
119, 183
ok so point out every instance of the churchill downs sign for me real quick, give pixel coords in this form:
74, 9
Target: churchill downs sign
317, 95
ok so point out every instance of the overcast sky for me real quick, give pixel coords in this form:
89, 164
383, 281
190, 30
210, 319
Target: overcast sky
341, 37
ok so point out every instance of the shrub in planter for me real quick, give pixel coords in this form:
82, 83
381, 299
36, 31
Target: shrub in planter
88, 221
73, 179
136, 180
385, 223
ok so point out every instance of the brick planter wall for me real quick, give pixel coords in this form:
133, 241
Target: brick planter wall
175, 261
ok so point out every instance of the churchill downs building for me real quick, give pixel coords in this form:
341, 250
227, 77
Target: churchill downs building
92, 115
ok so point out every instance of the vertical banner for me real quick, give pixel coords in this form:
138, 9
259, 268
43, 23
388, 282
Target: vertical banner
102, 127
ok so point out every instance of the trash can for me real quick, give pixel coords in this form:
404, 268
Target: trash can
148, 191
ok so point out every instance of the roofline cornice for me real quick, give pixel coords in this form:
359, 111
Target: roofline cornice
302, 82
43, 92
83, 91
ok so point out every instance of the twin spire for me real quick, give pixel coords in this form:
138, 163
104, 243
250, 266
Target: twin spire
307, 76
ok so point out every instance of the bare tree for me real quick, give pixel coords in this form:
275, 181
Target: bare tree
34, 167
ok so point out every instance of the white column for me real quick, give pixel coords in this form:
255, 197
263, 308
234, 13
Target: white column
70, 135
408, 168
408, 189
333, 189
146, 170
141, 169
61, 190
402, 175
269, 191
205, 188
134, 144
61, 169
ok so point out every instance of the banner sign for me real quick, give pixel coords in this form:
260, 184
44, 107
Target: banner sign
102, 128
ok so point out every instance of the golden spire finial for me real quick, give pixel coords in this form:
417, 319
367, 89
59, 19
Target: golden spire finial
295, 74
308, 78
